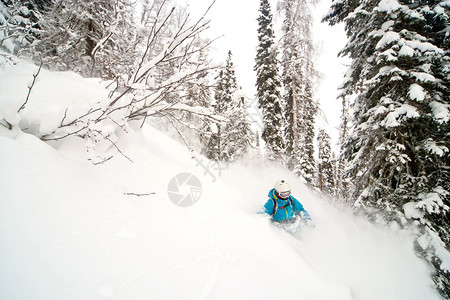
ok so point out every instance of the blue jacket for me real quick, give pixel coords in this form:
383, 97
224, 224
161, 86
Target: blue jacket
285, 211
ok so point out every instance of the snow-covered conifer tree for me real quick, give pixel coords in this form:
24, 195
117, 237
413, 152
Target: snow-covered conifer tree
238, 137
226, 85
268, 84
307, 165
325, 166
342, 184
229, 141
398, 154
299, 75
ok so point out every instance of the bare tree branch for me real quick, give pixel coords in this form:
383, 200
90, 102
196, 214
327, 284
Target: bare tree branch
107, 138
48, 137
6, 124
101, 162
138, 195
138, 99
31, 87
179, 133
97, 47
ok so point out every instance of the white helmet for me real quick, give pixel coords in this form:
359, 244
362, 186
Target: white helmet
283, 188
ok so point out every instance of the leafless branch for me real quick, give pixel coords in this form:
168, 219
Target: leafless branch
118, 149
65, 115
6, 124
138, 195
101, 162
154, 32
97, 47
179, 54
49, 138
31, 87
74, 121
179, 133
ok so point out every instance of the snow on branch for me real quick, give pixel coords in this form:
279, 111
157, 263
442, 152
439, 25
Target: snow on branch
172, 59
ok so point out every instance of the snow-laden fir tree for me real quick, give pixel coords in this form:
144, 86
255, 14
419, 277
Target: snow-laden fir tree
268, 84
299, 75
239, 136
325, 164
307, 165
398, 154
231, 140
342, 184
226, 85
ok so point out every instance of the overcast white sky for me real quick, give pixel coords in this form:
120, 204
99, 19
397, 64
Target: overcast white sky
236, 20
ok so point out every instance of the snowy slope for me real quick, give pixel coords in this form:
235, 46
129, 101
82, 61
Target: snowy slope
69, 229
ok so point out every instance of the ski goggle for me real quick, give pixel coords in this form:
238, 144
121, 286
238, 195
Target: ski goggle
284, 194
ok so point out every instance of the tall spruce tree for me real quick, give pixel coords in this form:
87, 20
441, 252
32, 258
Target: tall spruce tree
299, 75
307, 165
399, 151
268, 84
342, 185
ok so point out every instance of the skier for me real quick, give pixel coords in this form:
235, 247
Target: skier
284, 208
